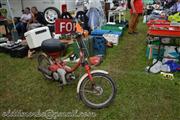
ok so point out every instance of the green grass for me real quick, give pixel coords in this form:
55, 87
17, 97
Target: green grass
140, 96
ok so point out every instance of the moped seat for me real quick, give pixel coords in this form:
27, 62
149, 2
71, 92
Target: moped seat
52, 45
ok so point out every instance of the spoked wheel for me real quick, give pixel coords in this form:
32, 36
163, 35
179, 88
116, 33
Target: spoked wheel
44, 63
97, 94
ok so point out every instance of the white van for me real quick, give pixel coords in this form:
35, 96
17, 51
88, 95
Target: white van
51, 8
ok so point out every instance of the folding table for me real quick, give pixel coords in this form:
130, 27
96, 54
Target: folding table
174, 35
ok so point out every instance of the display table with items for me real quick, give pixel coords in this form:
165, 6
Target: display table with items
163, 46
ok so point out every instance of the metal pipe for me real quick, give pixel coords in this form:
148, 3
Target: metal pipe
22, 4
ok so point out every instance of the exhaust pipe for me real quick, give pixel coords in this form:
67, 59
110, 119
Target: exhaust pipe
45, 71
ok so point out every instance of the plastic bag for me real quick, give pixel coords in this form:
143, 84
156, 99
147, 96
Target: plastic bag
96, 14
79, 2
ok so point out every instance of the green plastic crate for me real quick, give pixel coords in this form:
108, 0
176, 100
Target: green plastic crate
154, 52
157, 42
116, 27
148, 1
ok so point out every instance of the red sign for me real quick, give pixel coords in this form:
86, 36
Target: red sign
64, 26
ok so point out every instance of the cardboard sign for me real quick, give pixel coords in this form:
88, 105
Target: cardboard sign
2, 30
64, 26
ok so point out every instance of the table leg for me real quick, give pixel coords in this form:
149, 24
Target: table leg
109, 16
159, 54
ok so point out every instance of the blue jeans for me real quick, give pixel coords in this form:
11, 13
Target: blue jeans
21, 28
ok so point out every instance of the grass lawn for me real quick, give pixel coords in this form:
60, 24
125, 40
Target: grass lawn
140, 96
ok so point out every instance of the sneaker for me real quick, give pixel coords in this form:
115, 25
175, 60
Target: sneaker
109, 44
131, 33
135, 33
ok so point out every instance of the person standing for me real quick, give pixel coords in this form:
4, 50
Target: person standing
135, 11
66, 14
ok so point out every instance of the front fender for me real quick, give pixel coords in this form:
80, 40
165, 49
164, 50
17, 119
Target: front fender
85, 75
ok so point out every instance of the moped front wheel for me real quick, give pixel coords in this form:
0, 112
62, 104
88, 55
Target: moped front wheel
98, 93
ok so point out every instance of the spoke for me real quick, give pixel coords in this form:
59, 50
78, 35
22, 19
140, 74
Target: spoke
88, 91
101, 91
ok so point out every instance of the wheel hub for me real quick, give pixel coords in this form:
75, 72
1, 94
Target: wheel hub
98, 90
51, 16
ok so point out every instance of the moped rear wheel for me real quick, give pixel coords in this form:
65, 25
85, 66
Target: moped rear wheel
99, 93
44, 63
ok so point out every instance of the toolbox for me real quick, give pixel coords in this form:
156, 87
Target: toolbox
19, 52
8, 48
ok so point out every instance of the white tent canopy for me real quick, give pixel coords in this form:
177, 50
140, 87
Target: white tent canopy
18, 5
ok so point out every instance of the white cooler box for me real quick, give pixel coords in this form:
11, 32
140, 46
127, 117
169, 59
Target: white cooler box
36, 36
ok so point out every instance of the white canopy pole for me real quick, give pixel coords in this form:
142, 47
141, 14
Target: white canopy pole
11, 13
22, 4
13, 31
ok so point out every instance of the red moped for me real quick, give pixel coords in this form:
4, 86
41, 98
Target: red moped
95, 88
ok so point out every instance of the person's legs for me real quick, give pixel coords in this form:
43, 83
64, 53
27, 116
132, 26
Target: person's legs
24, 26
132, 22
19, 27
136, 23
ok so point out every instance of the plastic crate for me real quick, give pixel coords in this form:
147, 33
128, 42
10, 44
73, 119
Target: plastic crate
148, 1
112, 27
113, 37
98, 32
99, 46
152, 52
116, 33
